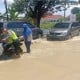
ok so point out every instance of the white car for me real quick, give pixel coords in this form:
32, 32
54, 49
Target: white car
1, 49
64, 31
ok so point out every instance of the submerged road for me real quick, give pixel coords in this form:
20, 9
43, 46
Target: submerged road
49, 60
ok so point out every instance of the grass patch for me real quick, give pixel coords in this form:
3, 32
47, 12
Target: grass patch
47, 25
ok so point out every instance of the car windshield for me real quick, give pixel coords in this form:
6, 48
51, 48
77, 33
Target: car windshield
75, 24
18, 25
61, 25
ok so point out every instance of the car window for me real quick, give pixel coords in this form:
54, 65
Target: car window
75, 24
1, 24
18, 25
62, 25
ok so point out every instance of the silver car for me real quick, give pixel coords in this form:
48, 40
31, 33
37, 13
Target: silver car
64, 31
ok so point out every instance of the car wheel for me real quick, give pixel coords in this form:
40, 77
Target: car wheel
39, 35
48, 38
78, 33
68, 37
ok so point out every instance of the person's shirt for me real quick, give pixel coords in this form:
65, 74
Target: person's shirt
2, 36
11, 36
29, 38
27, 33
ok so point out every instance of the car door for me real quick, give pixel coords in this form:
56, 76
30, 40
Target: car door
75, 29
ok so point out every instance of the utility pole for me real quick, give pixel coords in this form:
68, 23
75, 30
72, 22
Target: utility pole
6, 7
64, 9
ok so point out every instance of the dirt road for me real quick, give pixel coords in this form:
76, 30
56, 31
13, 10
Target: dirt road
49, 60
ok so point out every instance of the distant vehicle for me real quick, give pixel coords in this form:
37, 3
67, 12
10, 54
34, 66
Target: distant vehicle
18, 28
1, 24
64, 31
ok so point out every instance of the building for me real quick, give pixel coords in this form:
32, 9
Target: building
51, 18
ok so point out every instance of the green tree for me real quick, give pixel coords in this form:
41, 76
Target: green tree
78, 17
12, 13
6, 8
37, 8
76, 11
0, 14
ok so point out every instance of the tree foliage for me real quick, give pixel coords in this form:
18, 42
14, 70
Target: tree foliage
78, 17
75, 10
12, 13
37, 8
1, 16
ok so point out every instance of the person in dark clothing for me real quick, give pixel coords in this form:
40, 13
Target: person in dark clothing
11, 38
27, 33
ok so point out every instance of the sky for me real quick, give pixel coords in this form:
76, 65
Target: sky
68, 11
2, 7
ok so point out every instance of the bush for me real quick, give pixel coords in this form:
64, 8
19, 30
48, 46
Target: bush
47, 25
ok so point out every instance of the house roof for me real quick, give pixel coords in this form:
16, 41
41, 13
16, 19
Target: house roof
52, 17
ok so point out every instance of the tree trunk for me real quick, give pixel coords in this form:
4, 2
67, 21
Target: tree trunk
38, 21
35, 21
6, 7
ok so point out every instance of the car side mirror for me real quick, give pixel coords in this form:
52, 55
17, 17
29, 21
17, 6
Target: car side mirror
72, 27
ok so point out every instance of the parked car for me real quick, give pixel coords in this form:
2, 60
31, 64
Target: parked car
18, 28
64, 31
1, 24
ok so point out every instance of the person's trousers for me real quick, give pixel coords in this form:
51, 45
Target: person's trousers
17, 47
28, 44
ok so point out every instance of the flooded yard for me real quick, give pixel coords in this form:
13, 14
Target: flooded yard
48, 60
